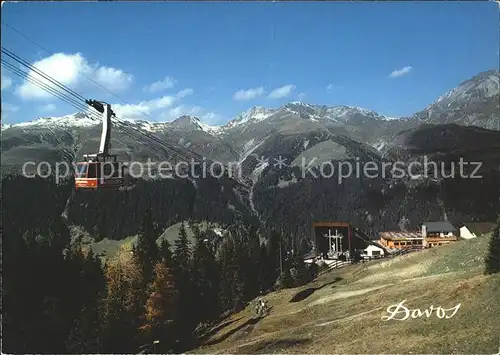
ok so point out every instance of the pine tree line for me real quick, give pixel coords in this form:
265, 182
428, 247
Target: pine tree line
59, 297
492, 261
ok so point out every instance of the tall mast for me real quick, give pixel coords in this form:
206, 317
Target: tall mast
105, 109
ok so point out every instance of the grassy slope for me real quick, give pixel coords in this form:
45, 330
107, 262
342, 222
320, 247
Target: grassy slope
344, 315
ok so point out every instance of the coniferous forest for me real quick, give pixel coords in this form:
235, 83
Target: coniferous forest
60, 298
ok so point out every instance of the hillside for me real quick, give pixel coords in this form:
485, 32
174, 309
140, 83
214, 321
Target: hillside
340, 312
473, 102
278, 197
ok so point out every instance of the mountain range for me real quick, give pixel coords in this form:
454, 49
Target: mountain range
463, 121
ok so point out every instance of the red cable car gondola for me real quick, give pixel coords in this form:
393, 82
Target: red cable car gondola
101, 170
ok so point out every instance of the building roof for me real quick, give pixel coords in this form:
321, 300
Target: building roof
400, 235
438, 227
480, 227
374, 247
310, 254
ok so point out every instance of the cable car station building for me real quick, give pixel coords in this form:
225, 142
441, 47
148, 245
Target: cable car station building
333, 239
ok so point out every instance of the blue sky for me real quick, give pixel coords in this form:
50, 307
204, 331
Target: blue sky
215, 60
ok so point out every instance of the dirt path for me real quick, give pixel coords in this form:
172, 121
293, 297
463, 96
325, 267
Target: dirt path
349, 317
345, 294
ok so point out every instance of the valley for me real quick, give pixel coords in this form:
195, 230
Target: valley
250, 178
277, 197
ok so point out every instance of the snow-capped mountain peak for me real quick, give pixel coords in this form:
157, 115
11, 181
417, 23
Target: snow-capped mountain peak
481, 86
472, 102
298, 103
255, 114
345, 112
193, 122
75, 120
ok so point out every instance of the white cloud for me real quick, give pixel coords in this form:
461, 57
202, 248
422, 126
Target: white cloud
249, 94
282, 91
72, 70
400, 72
6, 82
145, 110
333, 86
111, 78
48, 107
160, 85
185, 92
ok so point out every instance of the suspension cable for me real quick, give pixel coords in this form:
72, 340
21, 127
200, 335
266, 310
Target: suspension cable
39, 72
79, 102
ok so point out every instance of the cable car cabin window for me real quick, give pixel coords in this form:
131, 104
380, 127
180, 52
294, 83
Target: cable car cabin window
118, 170
106, 170
109, 170
113, 170
92, 171
81, 170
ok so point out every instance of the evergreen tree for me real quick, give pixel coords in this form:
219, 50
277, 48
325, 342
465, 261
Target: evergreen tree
275, 251
86, 335
206, 277
252, 264
285, 280
299, 270
182, 259
40, 289
265, 276
198, 235
238, 291
186, 318
227, 273
242, 271
123, 307
492, 261
160, 309
165, 252
146, 250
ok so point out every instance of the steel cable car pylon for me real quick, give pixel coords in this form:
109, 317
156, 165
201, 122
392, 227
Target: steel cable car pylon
105, 145
100, 170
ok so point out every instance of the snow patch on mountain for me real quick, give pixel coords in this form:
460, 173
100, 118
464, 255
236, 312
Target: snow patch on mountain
214, 130
248, 145
345, 112
68, 121
151, 126
192, 122
255, 114
248, 149
481, 86
474, 102
81, 119
379, 145
257, 171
